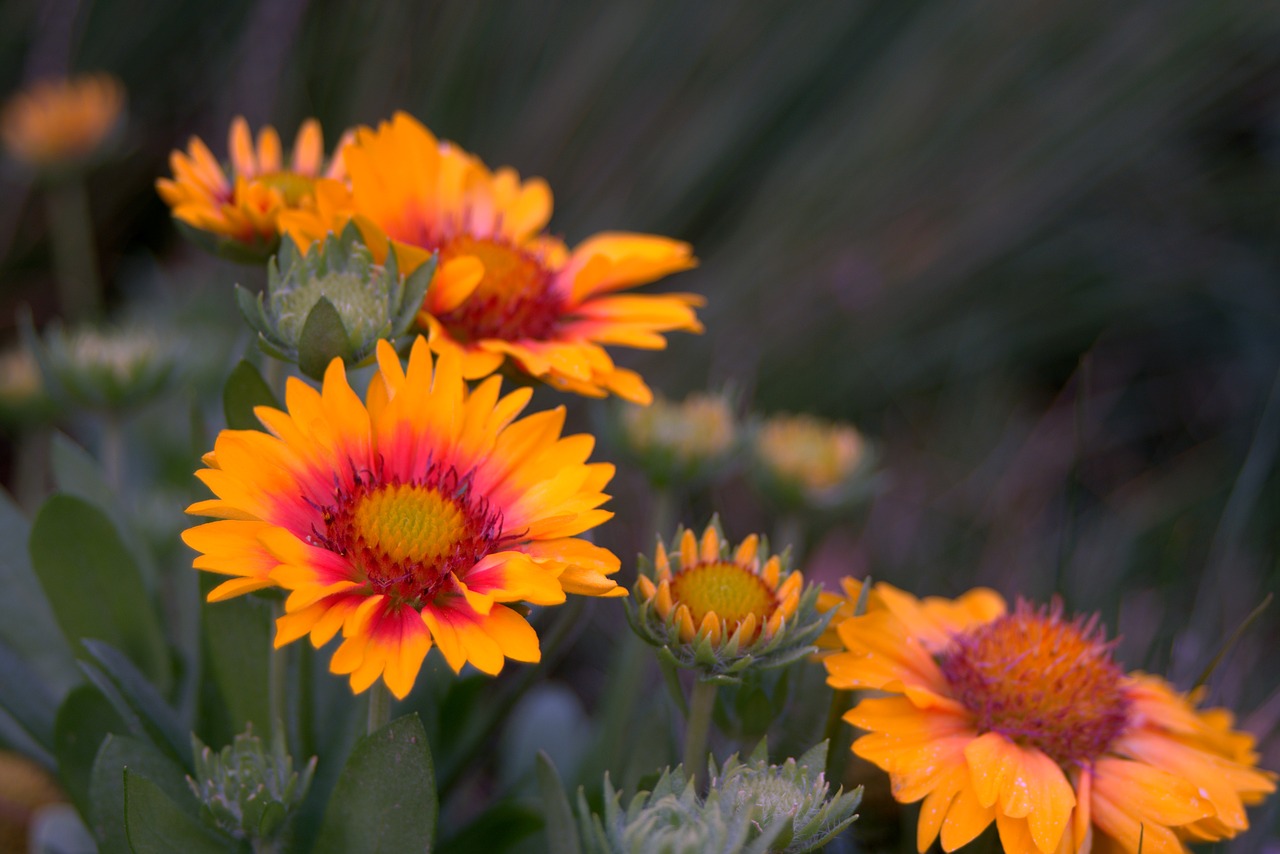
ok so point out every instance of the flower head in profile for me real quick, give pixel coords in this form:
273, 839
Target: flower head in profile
1022, 718
718, 610
60, 125
677, 444
234, 210
505, 290
804, 462
414, 518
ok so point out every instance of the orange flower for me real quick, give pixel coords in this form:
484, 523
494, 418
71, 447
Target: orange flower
1023, 719
504, 289
239, 210
56, 123
412, 519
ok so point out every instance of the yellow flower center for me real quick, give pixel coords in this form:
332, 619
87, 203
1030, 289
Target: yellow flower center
729, 590
408, 523
294, 188
407, 539
1042, 681
514, 300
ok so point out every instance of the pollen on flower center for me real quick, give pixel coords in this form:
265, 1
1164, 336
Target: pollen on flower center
1042, 681
292, 186
408, 538
730, 590
409, 522
514, 300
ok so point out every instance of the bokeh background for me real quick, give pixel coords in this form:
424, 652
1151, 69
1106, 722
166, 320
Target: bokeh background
1029, 248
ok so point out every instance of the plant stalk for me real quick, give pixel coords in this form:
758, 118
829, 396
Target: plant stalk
379, 707
75, 261
697, 729
277, 669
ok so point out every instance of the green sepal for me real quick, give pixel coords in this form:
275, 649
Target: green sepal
323, 339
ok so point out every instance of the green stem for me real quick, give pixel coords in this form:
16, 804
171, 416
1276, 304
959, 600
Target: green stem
789, 532
273, 374
379, 707
113, 451
663, 513
697, 728
75, 261
839, 735
277, 668
30, 462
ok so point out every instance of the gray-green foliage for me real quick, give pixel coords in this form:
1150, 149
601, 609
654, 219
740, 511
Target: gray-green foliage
333, 301
247, 790
750, 807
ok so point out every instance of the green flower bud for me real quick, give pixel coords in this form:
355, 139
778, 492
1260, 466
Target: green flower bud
103, 368
801, 463
332, 302
245, 790
678, 444
749, 807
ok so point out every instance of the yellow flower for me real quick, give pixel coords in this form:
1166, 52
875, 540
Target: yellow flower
807, 461
676, 443
59, 123
237, 209
504, 288
1023, 719
413, 518
720, 610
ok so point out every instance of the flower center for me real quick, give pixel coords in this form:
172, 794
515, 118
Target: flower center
514, 300
407, 538
1042, 681
292, 186
730, 590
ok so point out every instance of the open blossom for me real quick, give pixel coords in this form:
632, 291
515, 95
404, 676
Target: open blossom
412, 519
1024, 719
504, 290
237, 209
56, 124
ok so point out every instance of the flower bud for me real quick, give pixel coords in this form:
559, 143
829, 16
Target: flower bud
332, 302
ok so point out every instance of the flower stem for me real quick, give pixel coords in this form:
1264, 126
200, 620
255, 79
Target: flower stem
113, 451
277, 667
662, 512
75, 259
839, 735
379, 707
697, 728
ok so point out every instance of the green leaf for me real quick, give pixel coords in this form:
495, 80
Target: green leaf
27, 623
24, 695
106, 786
244, 390
76, 472
415, 291
385, 799
127, 685
562, 834
155, 824
84, 719
93, 584
237, 636
323, 337
250, 305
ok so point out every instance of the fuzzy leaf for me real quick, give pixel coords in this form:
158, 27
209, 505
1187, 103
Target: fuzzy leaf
562, 836
156, 824
93, 584
385, 799
244, 390
322, 339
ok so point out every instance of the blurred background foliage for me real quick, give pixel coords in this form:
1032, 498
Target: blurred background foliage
1029, 248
